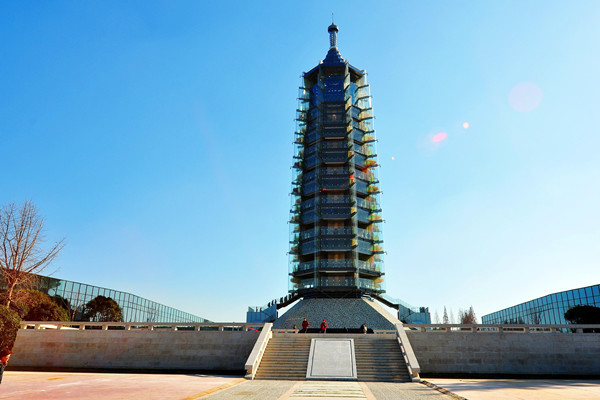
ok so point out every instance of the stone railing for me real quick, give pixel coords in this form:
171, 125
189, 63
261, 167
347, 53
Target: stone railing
502, 328
149, 326
156, 346
258, 351
409, 355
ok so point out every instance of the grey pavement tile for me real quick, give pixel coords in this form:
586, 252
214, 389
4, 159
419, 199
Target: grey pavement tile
254, 390
404, 391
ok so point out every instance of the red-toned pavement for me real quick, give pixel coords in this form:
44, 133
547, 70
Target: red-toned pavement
109, 386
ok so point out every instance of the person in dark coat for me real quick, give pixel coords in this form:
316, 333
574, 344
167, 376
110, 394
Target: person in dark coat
305, 325
4, 356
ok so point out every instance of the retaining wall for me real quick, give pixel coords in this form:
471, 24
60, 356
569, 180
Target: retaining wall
139, 349
513, 353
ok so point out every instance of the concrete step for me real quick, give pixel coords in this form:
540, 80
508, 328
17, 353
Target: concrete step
378, 360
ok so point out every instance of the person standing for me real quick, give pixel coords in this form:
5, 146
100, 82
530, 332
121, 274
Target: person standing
324, 326
305, 325
4, 356
364, 328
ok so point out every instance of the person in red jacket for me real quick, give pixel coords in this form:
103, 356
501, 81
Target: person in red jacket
324, 326
305, 325
4, 356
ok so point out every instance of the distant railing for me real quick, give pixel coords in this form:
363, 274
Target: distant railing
506, 328
129, 326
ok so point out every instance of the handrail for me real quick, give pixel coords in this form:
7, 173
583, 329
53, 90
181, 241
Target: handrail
408, 353
258, 351
197, 326
500, 328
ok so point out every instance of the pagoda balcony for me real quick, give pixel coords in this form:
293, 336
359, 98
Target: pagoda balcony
367, 138
374, 285
334, 132
362, 187
335, 156
373, 189
337, 244
337, 200
360, 160
357, 135
369, 204
341, 282
335, 183
370, 267
336, 212
365, 114
367, 217
324, 265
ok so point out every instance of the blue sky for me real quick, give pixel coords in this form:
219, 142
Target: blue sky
156, 137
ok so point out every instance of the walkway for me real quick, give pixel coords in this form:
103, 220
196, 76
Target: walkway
112, 386
518, 389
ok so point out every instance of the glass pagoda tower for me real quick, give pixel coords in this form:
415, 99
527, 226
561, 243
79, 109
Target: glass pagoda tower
336, 246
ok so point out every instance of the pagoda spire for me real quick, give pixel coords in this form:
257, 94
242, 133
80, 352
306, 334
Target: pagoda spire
333, 30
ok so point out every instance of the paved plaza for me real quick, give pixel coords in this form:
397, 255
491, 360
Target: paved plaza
521, 389
113, 386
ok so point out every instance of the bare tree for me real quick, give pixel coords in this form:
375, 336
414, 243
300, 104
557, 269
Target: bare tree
467, 316
21, 254
446, 320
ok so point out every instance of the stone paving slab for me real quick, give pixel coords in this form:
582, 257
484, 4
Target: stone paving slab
518, 389
109, 386
256, 390
404, 391
328, 390
112, 386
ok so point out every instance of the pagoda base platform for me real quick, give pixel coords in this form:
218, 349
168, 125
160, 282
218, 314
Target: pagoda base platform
348, 313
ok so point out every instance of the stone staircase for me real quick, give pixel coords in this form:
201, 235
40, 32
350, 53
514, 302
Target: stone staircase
285, 358
377, 359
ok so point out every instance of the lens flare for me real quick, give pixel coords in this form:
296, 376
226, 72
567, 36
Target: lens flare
525, 97
466, 125
439, 137
393, 158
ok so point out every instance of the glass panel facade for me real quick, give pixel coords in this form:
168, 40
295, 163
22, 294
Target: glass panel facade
549, 309
135, 309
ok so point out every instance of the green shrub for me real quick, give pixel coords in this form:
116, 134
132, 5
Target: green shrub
33, 305
9, 325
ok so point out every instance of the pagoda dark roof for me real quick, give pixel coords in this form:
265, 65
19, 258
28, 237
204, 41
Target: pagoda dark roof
333, 57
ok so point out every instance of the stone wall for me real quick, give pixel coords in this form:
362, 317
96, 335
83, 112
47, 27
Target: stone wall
497, 353
132, 349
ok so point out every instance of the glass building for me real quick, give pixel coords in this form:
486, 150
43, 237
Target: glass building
74, 296
549, 309
335, 218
